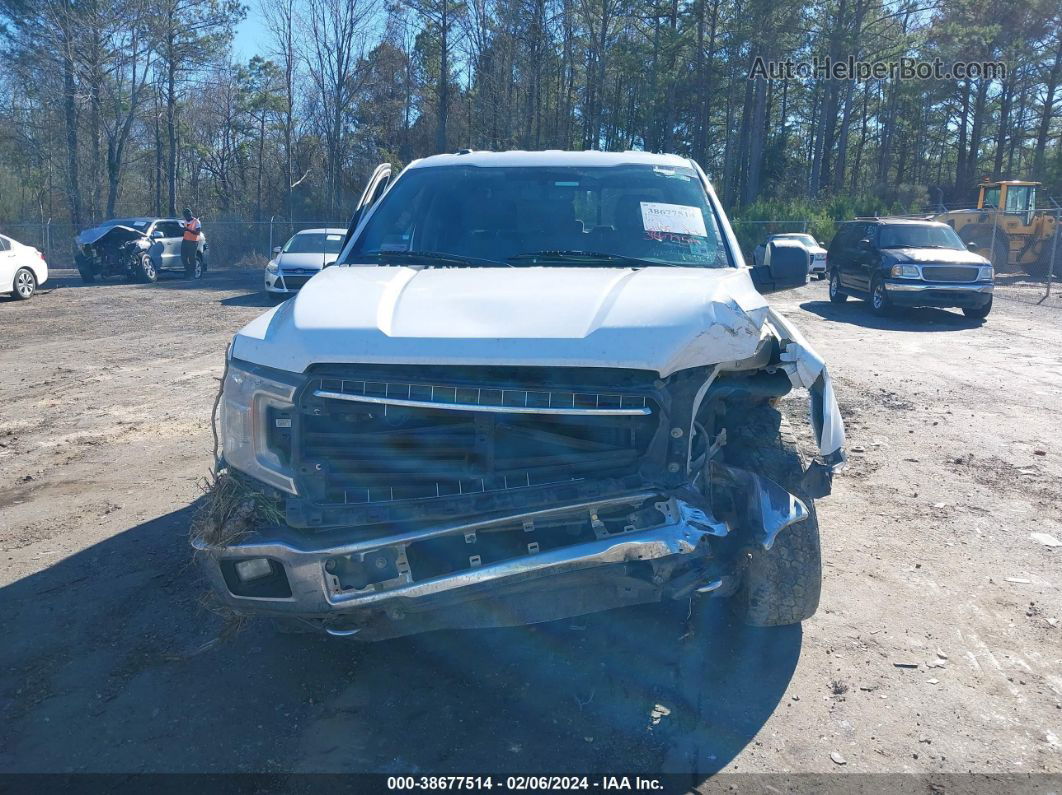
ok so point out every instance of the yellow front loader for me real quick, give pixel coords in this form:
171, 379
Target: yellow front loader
1007, 228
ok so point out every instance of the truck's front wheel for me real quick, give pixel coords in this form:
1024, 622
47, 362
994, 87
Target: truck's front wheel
781, 585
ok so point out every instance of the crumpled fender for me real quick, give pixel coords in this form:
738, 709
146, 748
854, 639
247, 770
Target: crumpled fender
806, 369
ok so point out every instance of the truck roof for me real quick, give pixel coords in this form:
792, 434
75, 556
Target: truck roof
551, 157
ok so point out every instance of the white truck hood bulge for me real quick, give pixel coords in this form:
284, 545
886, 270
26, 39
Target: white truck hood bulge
663, 319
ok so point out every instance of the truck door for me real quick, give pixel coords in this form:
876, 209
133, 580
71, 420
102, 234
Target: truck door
866, 256
842, 253
374, 189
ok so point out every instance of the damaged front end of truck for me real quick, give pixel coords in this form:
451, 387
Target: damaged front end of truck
410, 497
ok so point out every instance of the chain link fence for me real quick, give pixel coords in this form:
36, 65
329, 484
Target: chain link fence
230, 243
250, 243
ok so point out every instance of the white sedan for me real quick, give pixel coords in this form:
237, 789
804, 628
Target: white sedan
816, 251
22, 269
304, 255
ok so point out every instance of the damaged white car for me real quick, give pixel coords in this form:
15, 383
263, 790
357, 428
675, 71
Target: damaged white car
536, 385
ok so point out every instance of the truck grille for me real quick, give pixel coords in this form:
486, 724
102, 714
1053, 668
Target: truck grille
370, 437
950, 273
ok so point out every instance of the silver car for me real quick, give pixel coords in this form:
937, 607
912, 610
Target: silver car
816, 251
137, 248
305, 254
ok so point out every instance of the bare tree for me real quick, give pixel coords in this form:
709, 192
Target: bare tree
336, 42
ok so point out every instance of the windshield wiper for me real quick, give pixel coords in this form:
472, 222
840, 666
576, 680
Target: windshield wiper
432, 257
577, 257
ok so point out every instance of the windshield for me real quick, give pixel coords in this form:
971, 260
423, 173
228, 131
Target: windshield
314, 243
807, 240
629, 215
136, 223
919, 236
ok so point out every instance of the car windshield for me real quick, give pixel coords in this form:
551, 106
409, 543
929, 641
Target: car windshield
627, 215
919, 236
136, 223
314, 243
807, 240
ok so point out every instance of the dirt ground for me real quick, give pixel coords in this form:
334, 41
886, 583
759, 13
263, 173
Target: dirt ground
937, 647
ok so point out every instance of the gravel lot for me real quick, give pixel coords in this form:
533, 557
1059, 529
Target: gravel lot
937, 648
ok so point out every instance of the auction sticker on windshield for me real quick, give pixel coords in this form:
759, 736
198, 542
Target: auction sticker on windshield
677, 218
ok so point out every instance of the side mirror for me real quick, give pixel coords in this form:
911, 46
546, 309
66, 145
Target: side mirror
972, 247
330, 263
864, 244
785, 265
276, 249
156, 233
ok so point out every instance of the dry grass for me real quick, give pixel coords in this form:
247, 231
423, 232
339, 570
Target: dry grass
233, 507
251, 261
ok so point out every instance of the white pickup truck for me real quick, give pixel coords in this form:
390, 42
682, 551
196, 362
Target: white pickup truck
534, 385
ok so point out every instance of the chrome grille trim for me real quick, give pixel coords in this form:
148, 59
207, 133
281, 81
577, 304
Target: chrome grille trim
950, 273
391, 397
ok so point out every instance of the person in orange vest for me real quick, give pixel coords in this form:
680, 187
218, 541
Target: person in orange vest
190, 242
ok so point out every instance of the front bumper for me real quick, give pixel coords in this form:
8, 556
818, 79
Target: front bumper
903, 292
274, 283
287, 282
688, 551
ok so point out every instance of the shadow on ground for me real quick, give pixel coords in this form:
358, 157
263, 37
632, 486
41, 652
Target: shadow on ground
113, 666
858, 313
223, 279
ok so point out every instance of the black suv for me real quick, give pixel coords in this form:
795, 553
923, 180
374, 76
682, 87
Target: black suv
903, 262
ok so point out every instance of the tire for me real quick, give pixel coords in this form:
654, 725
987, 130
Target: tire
978, 313
836, 296
1043, 263
24, 285
197, 271
84, 267
781, 585
879, 299
145, 270
999, 248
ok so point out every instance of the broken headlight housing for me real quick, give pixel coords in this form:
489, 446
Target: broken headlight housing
254, 400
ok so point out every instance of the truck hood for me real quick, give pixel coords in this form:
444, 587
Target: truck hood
935, 256
663, 319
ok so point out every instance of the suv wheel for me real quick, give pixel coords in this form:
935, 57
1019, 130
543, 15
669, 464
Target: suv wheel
836, 296
145, 270
979, 312
781, 585
25, 284
879, 298
84, 267
197, 270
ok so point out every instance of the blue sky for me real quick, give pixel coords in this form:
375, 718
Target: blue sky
251, 38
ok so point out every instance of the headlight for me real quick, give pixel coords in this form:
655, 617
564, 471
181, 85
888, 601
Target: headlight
905, 272
985, 273
272, 267
254, 402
